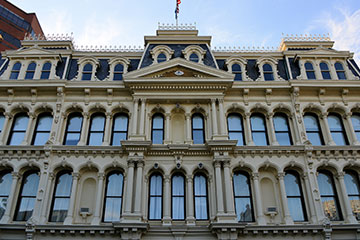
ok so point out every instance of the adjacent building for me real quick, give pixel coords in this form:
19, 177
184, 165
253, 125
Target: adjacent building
15, 24
179, 140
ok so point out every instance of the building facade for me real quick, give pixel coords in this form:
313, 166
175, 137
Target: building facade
179, 140
15, 24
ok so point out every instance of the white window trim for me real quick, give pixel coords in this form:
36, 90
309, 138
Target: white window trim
156, 51
273, 63
82, 62
199, 51
242, 62
113, 62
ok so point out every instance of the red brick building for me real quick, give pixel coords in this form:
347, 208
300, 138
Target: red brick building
14, 24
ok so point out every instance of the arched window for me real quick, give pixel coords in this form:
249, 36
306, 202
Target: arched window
118, 72
282, 130
120, 129
235, 128
61, 199
87, 72
157, 135
194, 57
325, 71
42, 130
242, 195
161, 58
268, 72
313, 130
30, 72
236, 69
258, 129
2, 120
310, 73
97, 129
340, 71
113, 197
155, 197
337, 129
200, 197
198, 132
15, 71
329, 196
27, 196
18, 130
73, 129
355, 118
178, 197
45, 72
295, 196
353, 190
5, 186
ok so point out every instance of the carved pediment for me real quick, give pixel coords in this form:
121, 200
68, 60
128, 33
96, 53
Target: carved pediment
178, 72
32, 52
324, 52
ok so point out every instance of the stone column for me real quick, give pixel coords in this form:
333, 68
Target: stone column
99, 197
188, 128
310, 198
219, 188
324, 119
60, 130
138, 190
134, 120
47, 197
11, 201
142, 117
353, 139
295, 129
70, 214
214, 119
230, 208
271, 129
332, 70
222, 118
84, 129
167, 201
27, 137
6, 128
190, 220
40, 196
317, 70
129, 186
107, 132
167, 126
287, 216
259, 210
349, 216
248, 134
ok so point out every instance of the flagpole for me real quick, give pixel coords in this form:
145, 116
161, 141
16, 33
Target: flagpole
177, 22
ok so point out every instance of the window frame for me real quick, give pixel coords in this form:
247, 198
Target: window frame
45, 71
15, 71
2, 115
203, 127
325, 71
286, 117
2, 174
85, 73
118, 73
156, 196
356, 176
36, 131
320, 132
178, 196
265, 128
250, 197
93, 131
73, 114
343, 130
106, 191
157, 129
201, 196
58, 175
268, 72
31, 72
113, 126
237, 72
310, 71
236, 131
20, 114
356, 130
340, 71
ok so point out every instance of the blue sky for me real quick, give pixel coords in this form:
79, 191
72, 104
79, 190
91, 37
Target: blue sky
230, 22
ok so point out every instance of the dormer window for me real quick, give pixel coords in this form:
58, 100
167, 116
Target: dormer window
325, 71
118, 72
310, 73
87, 72
268, 72
236, 69
15, 71
30, 72
194, 57
340, 72
45, 72
161, 58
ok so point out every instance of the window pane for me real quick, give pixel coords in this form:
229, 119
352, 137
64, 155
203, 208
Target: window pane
112, 209
234, 123
60, 209
339, 66
29, 75
14, 75
156, 185
257, 123
355, 205
194, 57
197, 122
41, 138
63, 188
238, 77
326, 75
309, 66
267, 68
75, 123
155, 208
118, 76
25, 209
341, 75
17, 138
339, 138
96, 139
31, 66
115, 185
45, 75
334, 123
200, 185
2, 120
178, 185
17, 66
237, 136
310, 75
30, 185
117, 138
330, 208
236, 68
292, 185
178, 207
259, 138
157, 137
46, 66
44, 123
283, 139
201, 208
243, 210
311, 123
268, 76
281, 123
5, 184
86, 76
325, 184
158, 122
3, 204
119, 68
97, 123
72, 139
87, 67
241, 185
21, 122
296, 209
315, 139
324, 66
161, 58
198, 136
120, 123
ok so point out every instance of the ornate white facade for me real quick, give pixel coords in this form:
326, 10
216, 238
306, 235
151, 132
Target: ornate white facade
178, 141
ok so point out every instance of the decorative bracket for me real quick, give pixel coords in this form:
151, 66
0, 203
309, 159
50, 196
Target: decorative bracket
322, 92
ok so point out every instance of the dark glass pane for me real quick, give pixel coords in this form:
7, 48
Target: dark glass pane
5, 185
326, 75
21, 122
157, 136
292, 185
29, 75
115, 185
46, 66
3, 204
63, 188
87, 68
309, 66
14, 75
310, 75
41, 138
259, 138
60, 209
238, 77
194, 57
178, 185
339, 66
268, 76
158, 122
241, 185
75, 123
296, 209
156, 185
97, 123
31, 66
2, 120
44, 123
325, 184
45, 75
96, 139
257, 123
117, 138
243, 209
324, 66
198, 136
118, 76
16, 66
267, 68
25, 209
341, 75
197, 122
236, 68
17, 138
120, 123
112, 209
86, 76
30, 185
352, 184
161, 58
72, 139
234, 123
237, 136
119, 68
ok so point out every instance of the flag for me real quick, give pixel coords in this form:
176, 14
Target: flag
177, 8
